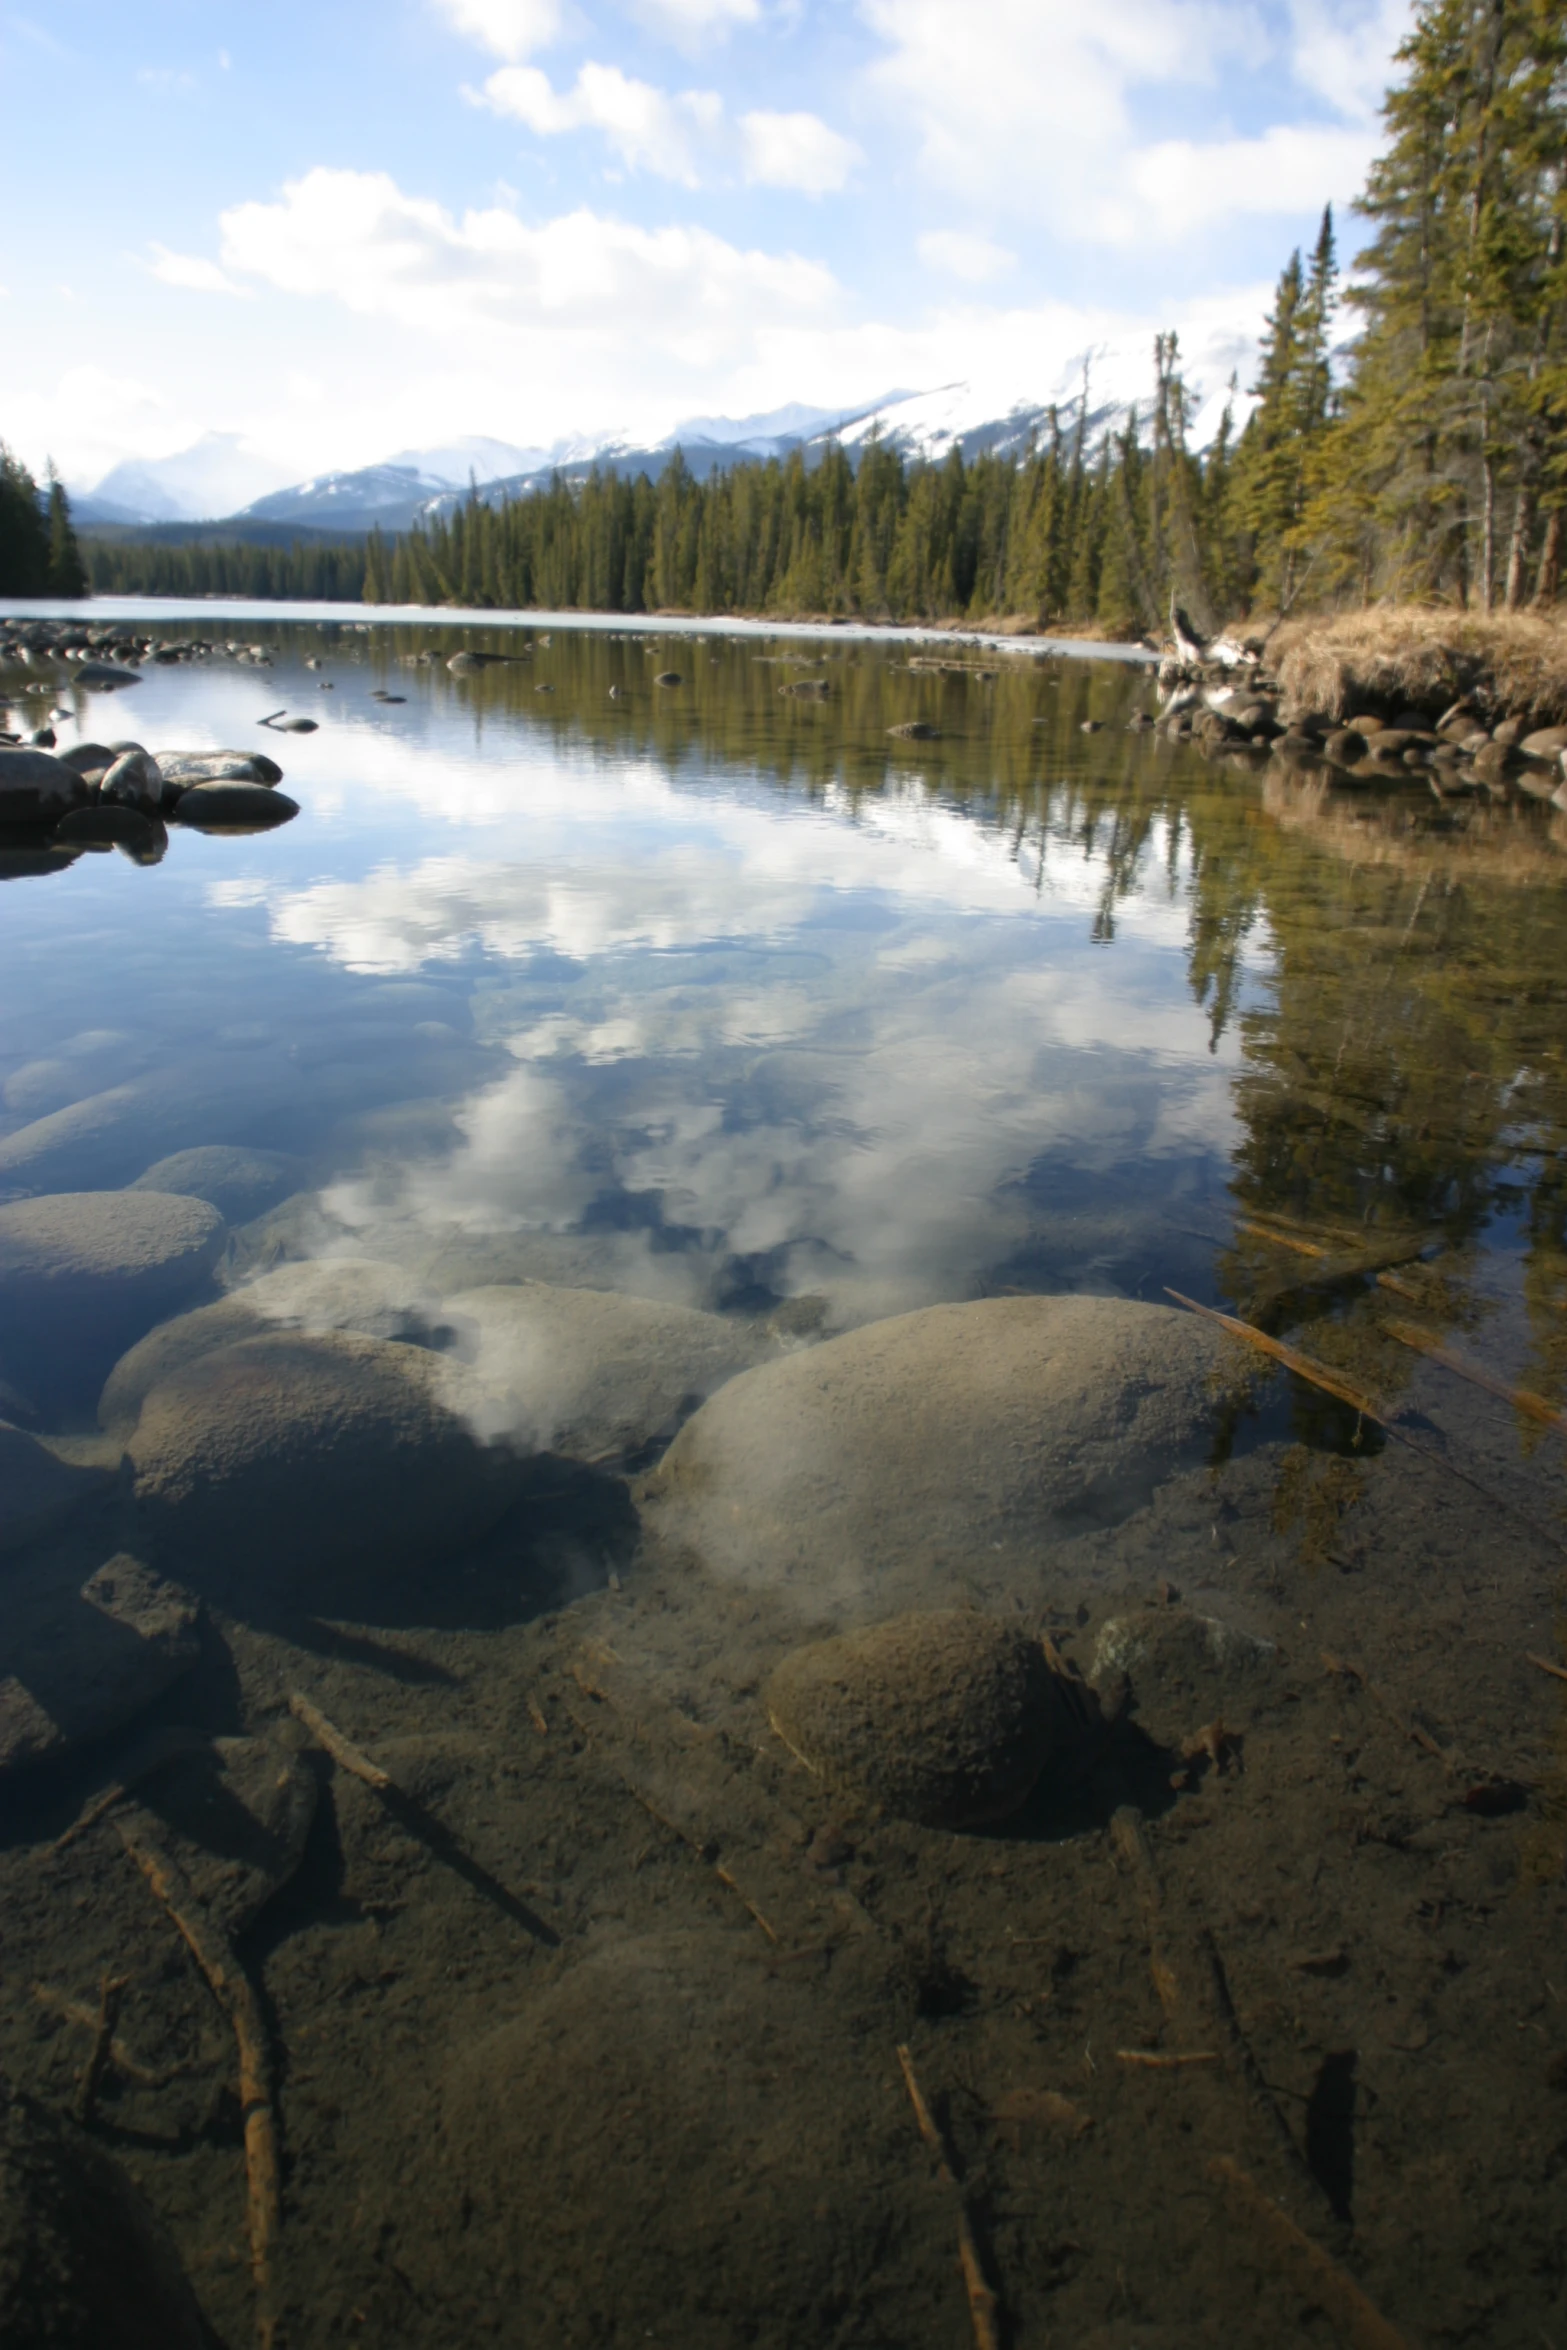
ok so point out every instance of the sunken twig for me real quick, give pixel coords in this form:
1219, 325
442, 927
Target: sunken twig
234, 1992
412, 1815
984, 2309
1320, 2279
110, 1995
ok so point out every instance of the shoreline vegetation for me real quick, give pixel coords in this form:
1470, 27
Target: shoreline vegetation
1414, 473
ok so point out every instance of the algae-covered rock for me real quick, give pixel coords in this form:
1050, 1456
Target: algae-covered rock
78, 1663
84, 2265
283, 1453
620, 2153
84, 1273
333, 1293
38, 1491
588, 1373
946, 1718
240, 1184
899, 1462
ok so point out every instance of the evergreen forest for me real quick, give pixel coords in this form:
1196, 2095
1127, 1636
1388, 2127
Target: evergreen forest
1405, 440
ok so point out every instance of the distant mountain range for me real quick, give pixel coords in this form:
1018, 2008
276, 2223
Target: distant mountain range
199, 485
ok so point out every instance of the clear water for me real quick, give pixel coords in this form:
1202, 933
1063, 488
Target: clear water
723, 997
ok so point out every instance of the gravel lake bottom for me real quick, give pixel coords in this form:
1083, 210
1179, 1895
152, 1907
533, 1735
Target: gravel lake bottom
783, 1537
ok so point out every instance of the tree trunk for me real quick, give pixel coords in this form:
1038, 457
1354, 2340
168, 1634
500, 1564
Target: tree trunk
1549, 573
1523, 517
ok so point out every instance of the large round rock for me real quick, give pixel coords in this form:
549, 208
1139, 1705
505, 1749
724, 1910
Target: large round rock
240, 1184
83, 1273
38, 1491
287, 1452
84, 2265
328, 1293
591, 1374
622, 2166
946, 1718
939, 1452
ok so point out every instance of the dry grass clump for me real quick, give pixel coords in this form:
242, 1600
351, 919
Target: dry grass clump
1411, 657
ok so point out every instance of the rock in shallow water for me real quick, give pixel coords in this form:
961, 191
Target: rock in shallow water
289, 1452
83, 1273
239, 1183
334, 1293
38, 1491
946, 1718
940, 1446
657, 2060
232, 807
588, 1373
78, 1663
84, 2265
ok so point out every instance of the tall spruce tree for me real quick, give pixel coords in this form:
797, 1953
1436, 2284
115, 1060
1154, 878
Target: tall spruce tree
24, 534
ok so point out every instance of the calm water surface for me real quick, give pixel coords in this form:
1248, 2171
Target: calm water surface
721, 996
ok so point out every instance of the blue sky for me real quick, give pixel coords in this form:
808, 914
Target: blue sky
338, 230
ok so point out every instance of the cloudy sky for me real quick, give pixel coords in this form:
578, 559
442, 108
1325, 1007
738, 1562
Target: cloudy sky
340, 229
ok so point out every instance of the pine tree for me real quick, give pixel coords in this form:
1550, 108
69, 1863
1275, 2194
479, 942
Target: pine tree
24, 535
67, 571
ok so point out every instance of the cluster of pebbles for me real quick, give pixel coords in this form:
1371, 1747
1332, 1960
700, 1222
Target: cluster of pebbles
1454, 752
54, 806
91, 653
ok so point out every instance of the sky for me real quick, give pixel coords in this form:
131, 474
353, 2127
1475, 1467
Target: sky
338, 230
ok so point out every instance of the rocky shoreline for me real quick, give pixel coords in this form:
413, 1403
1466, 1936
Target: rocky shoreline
1367, 732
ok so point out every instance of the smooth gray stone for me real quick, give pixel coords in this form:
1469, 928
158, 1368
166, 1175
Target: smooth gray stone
78, 1662
82, 1274
84, 2265
133, 780
187, 767
104, 673
87, 758
233, 807
239, 1183
916, 1460
38, 1491
336, 1293
36, 787
590, 1374
286, 1453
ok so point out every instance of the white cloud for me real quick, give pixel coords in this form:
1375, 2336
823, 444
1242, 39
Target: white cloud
648, 130
1341, 50
508, 28
1291, 168
692, 23
973, 259
191, 272
1052, 132
355, 236
796, 151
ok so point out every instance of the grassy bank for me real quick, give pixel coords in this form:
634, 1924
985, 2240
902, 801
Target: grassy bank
1510, 664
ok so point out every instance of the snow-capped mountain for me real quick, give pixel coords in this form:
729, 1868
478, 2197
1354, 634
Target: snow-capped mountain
922, 425
216, 475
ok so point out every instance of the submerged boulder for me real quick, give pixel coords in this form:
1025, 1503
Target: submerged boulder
239, 1183
954, 1443
334, 1293
38, 1491
84, 2265
83, 1273
947, 1718
290, 1451
657, 2060
588, 1373
78, 1661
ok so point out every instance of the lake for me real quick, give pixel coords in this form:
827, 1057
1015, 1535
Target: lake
621, 1244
